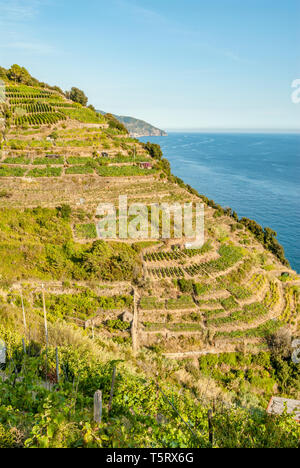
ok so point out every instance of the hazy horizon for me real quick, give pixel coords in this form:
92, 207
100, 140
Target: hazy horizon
232, 130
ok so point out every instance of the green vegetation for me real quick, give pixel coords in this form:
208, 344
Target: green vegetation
79, 170
265, 330
178, 254
47, 118
83, 115
249, 314
151, 303
247, 373
86, 231
229, 256
38, 244
123, 171
182, 302
46, 172
63, 417
77, 95
18, 160
6, 171
81, 305
221, 296
48, 161
115, 124
267, 237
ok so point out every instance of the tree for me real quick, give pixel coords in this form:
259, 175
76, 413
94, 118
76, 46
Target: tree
280, 343
64, 211
3, 73
19, 74
77, 95
114, 123
154, 150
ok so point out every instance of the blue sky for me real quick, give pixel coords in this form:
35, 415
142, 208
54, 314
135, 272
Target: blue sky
212, 64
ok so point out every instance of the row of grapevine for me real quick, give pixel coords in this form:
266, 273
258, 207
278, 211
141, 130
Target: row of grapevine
25, 96
159, 256
34, 108
221, 264
23, 90
64, 104
257, 282
40, 119
273, 296
173, 255
172, 272
291, 308
15, 101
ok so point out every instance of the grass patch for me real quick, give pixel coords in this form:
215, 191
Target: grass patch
151, 303
183, 302
48, 161
86, 231
80, 170
77, 160
18, 160
83, 115
6, 171
45, 172
124, 171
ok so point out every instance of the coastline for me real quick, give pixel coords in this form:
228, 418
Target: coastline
230, 188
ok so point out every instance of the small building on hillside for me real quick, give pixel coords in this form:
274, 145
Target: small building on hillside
278, 406
146, 165
104, 155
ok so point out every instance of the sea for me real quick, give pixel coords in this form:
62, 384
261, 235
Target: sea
257, 175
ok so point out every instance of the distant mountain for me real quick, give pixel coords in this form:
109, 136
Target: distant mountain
138, 128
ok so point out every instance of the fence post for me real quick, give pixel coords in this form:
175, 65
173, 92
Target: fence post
210, 427
57, 365
24, 315
24, 345
112, 389
3, 352
98, 407
46, 330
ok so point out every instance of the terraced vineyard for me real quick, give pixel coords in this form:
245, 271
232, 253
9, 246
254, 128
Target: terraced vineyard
198, 325
57, 153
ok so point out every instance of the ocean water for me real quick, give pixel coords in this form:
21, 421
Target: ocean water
257, 175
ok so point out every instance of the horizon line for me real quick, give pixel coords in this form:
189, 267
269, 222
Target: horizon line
233, 130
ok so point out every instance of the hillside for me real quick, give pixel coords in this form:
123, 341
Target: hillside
138, 128
205, 329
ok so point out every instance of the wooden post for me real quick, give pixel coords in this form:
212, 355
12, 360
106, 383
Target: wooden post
24, 315
45, 315
112, 389
57, 365
98, 407
210, 427
46, 329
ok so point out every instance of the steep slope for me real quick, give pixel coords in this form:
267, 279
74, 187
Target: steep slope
138, 128
139, 301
